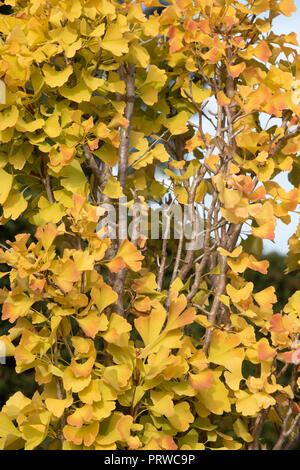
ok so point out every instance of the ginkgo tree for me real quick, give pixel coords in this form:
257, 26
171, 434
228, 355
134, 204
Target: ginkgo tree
140, 342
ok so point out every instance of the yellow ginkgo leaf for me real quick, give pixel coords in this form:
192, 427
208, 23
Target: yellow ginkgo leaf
82, 369
83, 261
163, 403
181, 417
81, 416
234, 254
103, 409
92, 323
35, 429
246, 403
287, 7
114, 41
8, 117
91, 393
202, 380
93, 82
215, 398
150, 326
57, 407
240, 264
156, 75
113, 188
237, 295
222, 99
240, 430
177, 319
15, 404
98, 31
54, 78
265, 298
30, 126
265, 231
131, 256
103, 296
236, 70
16, 306
118, 376
6, 184
67, 275
117, 326
7, 427
177, 124
124, 426
79, 93
108, 154
85, 434
264, 350
52, 126
139, 55
73, 382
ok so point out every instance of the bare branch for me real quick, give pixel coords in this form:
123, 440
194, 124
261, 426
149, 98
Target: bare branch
128, 75
46, 182
258, 427
59, 389
149, 148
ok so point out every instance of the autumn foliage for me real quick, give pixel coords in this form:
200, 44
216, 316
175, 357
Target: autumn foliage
142, 343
